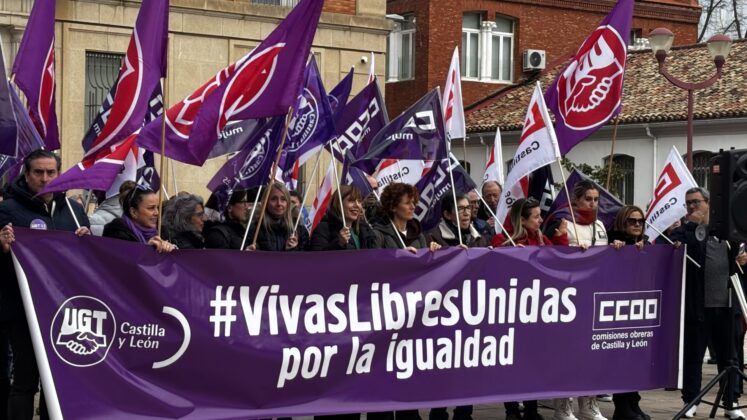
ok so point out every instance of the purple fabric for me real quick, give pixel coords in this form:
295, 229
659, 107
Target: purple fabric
359, 121
28, 140
143, 66
541, 188
236, 135
143, 234
609, 205
418, 133
8, 130
436, 185
357, 178
34, 71
204, 334
338, 96
263, 83
588, 92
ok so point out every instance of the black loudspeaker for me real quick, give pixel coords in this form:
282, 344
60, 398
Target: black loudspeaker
728, 188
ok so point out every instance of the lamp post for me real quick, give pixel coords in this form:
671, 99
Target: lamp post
719, 45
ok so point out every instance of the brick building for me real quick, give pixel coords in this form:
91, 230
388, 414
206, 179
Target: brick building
493, 35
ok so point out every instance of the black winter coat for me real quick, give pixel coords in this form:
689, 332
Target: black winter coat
274, 239
224, 235
21, 208
414, 238
188, 240
118, 229
324, 237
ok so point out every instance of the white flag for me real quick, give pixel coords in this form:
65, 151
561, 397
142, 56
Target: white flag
538, 147
408, 171
494, 168
452, 101
668, 204
323, 196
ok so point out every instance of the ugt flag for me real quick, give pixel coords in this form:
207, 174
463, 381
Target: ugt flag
537, 148
27, 139
263, 83
494, 167
452, 101
435, 185
668, 204
140, 75
589, 91
34, 71
8, 130
418, 133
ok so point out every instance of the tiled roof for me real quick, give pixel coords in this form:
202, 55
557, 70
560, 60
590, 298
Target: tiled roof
648, 97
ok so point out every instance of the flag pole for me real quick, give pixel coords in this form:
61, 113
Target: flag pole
172, 164
288, 118
570, 202
453, 188
72, 213
671, 242
503, 229
164, 86
612, 155
251, 217
337, 180
306, 193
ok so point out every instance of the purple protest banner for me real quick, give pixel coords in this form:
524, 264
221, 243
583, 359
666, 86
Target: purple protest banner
34, 70
123, 332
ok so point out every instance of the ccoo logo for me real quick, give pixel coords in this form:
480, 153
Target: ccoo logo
82, 331
590, 89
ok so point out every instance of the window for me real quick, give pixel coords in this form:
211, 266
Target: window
102, 70
622, 186
701, 167
502, 50
400, 45
471, 45
487, 48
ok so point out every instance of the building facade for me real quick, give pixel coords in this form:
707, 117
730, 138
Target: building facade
204, 37
493, 36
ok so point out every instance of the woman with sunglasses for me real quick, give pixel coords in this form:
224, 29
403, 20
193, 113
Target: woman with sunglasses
525, 221
139, 221
183, 221
628, 230
276, 232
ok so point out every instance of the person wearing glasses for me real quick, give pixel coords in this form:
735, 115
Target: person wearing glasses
139, 221
628, 229
447, 234
183, 221
708, 307
230, 233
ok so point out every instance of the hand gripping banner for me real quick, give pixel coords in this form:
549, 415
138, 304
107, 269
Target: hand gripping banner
122, 332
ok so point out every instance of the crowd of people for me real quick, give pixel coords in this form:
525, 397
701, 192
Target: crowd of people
354, 222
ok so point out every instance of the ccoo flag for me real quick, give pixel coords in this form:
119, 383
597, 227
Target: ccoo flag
359, 121
263, 83
668, 204
452, 101
589, 91
494, 167
434, 186
537, 148
34, 71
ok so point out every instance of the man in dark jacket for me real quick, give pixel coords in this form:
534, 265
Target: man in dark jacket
23, 207
708, 306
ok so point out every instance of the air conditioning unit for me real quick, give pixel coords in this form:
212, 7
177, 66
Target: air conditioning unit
534, 60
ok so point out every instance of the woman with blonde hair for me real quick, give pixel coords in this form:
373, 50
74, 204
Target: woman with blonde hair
277, 230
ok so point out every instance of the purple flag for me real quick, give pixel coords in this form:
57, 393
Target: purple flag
418, 133
250, 167
34, 71
359, 121
541, 188
143, 66
122, 332
8, 130
235, 136
434, 186
338, 96
27, 138
263, 83
312, 125
357, 178
609, 205
589, 91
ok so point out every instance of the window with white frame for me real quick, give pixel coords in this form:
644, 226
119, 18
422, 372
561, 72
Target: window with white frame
623, 186
400, 45
471, 23
502, 50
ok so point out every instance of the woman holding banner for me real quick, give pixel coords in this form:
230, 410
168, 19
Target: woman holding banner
276, 232
139, 221
525, 219
398, 203
628, 230
331, 235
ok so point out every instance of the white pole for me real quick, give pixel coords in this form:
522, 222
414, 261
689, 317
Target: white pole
503, 229
70, 207
251, 216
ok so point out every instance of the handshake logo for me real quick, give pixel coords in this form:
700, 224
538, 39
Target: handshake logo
82, 331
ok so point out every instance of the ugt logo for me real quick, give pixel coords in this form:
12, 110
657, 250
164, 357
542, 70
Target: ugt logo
590, 89
82, 331
304, 123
